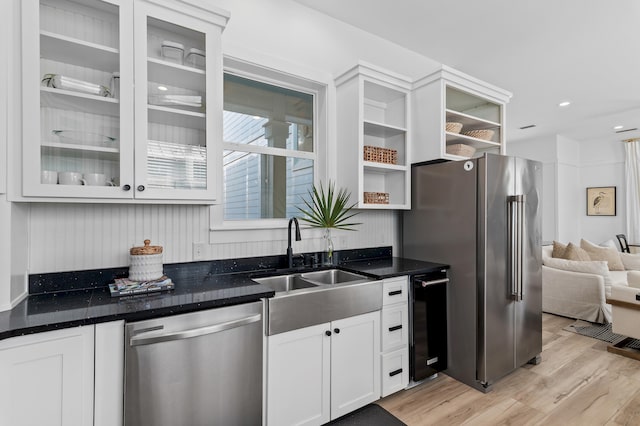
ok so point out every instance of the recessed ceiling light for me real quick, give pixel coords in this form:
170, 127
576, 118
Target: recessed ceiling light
163, 88
256, 117
618, 127
564, 104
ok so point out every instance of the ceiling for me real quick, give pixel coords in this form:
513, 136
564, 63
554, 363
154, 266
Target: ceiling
543, 51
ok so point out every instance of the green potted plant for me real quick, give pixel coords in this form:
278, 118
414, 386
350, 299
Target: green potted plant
328, 209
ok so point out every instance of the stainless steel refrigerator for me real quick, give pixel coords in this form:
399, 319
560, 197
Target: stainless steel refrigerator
482, 217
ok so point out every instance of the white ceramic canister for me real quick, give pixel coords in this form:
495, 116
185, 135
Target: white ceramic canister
145, 262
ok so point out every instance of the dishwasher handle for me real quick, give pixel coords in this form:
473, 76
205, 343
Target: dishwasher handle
140, 340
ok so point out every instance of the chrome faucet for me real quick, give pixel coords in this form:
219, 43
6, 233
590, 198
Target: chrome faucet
298, 238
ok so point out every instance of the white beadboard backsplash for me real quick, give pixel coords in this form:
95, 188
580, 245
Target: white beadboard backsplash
67, 237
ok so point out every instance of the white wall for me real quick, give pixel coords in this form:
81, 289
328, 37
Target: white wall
602, 164
279, 34
570, 167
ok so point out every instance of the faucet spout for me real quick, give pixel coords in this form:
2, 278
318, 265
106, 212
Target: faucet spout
298, 238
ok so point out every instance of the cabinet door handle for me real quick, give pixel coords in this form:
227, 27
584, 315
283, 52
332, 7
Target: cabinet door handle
395, 372
336, 330
140, 188
395, 292
395, 327
328, 332
126, 187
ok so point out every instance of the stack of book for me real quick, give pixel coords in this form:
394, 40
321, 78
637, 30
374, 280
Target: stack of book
125, 286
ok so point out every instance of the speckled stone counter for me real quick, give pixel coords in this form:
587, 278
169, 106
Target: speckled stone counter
70, 299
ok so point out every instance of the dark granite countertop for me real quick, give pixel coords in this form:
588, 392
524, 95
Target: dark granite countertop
50, 311
60, 301
391, 267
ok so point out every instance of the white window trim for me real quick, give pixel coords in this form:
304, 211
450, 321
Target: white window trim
320, 92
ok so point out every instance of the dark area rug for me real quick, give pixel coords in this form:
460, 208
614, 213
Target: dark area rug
369, 415
601, 332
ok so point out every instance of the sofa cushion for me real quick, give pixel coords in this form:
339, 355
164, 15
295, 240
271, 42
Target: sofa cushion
597, 267
558, 250
631, 262
608, 254
573, 252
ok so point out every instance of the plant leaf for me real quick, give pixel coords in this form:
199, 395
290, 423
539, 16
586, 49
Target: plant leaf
328, 209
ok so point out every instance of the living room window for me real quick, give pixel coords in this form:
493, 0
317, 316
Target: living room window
270, 153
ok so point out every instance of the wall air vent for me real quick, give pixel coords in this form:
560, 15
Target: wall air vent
527, 127
627, 130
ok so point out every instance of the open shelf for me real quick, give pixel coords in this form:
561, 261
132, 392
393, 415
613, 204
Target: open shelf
468, 140
85, 151
73, 51
176, 117
372, 166
176, 75
470, 122
77, 101
380, 130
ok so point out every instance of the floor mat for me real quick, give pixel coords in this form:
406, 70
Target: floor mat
369, 415
601, 332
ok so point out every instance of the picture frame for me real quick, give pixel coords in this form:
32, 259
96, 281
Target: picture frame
601, 201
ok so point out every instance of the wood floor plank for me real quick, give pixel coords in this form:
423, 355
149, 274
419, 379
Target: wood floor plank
577, 383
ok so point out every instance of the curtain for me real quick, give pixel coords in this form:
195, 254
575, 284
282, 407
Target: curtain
632, 175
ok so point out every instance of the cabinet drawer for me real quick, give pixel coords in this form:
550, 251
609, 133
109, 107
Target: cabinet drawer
395, 371
395, 290
395, 327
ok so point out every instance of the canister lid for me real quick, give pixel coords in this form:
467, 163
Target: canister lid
147, 249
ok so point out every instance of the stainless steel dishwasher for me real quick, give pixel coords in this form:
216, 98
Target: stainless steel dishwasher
200, 368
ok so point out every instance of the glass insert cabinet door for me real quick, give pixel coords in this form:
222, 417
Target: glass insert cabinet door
178, 106
77, 123
122, 99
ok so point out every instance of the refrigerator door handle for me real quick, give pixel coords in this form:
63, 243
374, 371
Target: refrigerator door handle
516, 229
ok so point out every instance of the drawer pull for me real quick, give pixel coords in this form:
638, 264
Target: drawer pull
395, 292
395, 327
395, 372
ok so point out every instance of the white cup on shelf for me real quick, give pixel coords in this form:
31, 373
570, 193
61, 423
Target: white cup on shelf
95, 179
49, 177
70, 178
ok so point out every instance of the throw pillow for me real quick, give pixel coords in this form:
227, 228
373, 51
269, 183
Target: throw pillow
608, 254
558, 250
573, 252
609, 243
597, 267
631, 262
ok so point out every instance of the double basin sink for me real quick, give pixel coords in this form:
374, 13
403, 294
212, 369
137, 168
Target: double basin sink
311, 298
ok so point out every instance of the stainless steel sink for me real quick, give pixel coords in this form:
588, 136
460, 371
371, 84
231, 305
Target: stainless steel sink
285, 283
302, 300
333, 276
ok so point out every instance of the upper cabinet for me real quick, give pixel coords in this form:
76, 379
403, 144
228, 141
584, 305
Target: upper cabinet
122, 100
373, 136
456, 116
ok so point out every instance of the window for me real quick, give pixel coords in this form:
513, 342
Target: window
269, 156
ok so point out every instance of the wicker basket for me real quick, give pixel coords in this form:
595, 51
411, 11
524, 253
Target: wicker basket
376, 198
485, 134
461, 149
380, 155
453, 127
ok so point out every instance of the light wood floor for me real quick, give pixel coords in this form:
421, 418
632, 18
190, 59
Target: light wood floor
577, 383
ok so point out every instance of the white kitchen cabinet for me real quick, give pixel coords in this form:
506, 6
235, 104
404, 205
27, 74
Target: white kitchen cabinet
448, 95
374, 134
318, 373
394, 335
109, 374
48, 378
157, 136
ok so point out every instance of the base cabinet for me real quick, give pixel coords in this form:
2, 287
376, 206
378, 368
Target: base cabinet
53, 371
394, 335
64, 377
319, 373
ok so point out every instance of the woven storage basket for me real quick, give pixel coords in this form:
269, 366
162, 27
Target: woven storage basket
453, 127
376, 198
380, 155
461, 150
485, 134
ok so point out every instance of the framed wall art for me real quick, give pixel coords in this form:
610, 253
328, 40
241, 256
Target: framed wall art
601, 201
